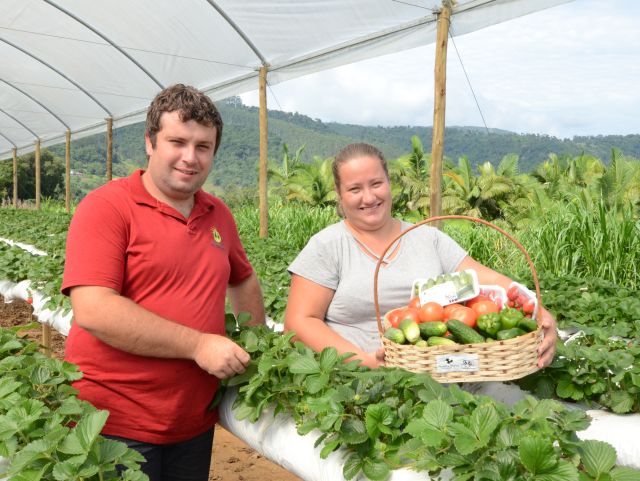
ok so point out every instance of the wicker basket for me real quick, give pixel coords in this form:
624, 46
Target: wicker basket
491, 361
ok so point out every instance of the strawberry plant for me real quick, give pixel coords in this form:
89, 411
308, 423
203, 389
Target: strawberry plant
388, 419
46, 432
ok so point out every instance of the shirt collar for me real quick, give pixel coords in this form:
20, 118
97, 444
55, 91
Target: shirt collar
202, 201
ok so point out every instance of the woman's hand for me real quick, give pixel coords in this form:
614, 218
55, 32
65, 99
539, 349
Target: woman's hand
372, 359
547, 348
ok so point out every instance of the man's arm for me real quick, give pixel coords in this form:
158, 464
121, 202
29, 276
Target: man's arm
247, 297
123, 324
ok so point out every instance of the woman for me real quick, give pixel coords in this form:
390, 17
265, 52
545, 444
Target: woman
331, 295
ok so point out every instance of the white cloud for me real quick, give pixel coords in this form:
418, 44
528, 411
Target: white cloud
570, 70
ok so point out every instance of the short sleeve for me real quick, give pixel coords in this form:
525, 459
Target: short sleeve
96, 245
318, 262
451, 254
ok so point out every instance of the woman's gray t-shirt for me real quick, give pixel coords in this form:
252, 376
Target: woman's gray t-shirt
332, 258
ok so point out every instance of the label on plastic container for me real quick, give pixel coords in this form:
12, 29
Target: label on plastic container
447, 288
457, 363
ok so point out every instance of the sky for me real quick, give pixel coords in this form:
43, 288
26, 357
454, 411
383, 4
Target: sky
573, 69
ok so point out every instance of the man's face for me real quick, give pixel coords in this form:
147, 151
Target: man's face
181, 160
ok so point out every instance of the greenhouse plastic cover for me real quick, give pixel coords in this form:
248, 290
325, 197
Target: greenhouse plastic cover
71, 64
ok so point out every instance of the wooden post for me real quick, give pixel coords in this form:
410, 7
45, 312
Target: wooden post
67, 172
38, 169
109, 147
262, 180
46, 340
440, 91
15, 177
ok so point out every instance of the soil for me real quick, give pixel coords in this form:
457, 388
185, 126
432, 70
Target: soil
232, 459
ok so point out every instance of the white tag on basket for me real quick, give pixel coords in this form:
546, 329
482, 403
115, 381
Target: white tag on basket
457, 363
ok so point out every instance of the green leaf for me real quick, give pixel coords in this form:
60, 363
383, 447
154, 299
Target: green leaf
484, 421
625, 474
304, 365
352, 466
598, 457
563, 471
537, 455
375, 470
420, 429
377, 419
328, 358
621, 402
438, 414
464, 439
110, 450
354, 431
316, 382
566, 390
89, 427
328, 448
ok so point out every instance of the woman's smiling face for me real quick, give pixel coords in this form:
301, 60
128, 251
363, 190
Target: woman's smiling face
365, 192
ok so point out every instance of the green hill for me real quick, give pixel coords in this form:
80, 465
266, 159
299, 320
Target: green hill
236, 163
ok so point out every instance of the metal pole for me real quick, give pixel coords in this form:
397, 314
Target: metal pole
440, 91
262, 181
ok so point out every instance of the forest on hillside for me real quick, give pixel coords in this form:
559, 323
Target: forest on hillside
236, 163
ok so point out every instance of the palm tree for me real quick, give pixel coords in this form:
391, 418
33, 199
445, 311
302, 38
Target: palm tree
487, 195
279, 175
312, 183
620, 184
410, 182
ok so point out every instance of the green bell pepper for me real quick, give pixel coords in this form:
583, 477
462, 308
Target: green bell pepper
490, 323
510, 317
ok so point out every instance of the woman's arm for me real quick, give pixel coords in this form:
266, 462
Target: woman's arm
306, 309
547, 347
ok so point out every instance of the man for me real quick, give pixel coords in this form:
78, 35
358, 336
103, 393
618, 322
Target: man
148, 262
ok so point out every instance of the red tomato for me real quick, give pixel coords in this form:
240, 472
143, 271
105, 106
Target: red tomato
512, 293
464, 314
410, 313
448, 309
393, 316
415, 303
484, 307
476, 299
431, 311
528, 306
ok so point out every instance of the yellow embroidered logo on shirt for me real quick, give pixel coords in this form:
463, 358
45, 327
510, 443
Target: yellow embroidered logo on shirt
216, 235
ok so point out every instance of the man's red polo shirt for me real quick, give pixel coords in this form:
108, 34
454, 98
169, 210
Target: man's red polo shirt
123, 238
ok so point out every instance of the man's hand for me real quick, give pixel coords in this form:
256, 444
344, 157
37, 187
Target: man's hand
547, 348
220, 356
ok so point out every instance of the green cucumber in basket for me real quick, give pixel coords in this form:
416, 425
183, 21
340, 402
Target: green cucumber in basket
433, 328
394, 334
440, 341
410, 329
463, 333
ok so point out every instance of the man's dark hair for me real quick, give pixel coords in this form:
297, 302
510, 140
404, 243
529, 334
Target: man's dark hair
192, 105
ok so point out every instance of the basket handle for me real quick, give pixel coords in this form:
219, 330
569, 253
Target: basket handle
445, 217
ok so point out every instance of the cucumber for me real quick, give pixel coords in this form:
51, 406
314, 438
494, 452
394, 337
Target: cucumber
434, 328
440, 341
527, 324
463, 333
421, 343
410, 329
509, 333
394, 334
